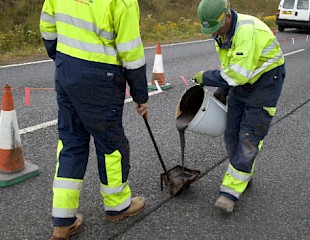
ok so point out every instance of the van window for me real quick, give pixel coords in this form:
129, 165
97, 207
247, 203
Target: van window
288, 4
303, 4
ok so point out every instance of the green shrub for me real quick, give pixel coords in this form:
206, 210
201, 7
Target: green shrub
161, 20
270, 21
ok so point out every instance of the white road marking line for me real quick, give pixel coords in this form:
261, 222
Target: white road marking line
24, 64
37, 127
297, 51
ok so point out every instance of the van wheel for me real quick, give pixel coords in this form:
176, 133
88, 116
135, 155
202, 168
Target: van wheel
280, 28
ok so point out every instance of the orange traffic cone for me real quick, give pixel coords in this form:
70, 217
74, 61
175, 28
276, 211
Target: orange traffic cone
13, 168
158, 72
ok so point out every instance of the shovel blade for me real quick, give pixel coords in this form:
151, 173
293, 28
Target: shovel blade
179, 178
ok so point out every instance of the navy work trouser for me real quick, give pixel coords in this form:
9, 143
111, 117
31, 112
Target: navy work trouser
248, 119
90, 98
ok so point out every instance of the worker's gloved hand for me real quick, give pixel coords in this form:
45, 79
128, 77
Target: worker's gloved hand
198, 77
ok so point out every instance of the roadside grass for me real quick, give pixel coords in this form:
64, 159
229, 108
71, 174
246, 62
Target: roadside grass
161, 21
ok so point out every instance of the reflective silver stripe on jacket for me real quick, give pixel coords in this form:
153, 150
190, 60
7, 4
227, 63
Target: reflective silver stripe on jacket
65, 184
89, 47
228, 79
51, 20
268, 49
266, 64
230, 191
48, 18
120, 207
108, 190
127, 46
238, 175
135, 64
89, 26
64, 212
249, 74
49, 36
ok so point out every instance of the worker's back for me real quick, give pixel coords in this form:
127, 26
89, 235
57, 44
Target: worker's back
99, 31
254, 51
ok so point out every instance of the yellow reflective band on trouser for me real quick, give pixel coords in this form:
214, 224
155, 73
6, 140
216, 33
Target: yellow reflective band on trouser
270, 110
234, 181
116, 194
260, 145
66, 192
66, 197
59, 148
116, 199
252, 169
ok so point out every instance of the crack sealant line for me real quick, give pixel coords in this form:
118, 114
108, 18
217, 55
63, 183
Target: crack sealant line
142, 217
202, 174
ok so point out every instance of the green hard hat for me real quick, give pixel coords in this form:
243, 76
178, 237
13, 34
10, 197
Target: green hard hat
211, 14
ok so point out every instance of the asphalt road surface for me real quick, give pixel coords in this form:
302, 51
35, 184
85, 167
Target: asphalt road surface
275, 207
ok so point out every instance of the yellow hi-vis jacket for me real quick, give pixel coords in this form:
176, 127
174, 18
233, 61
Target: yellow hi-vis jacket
254, 51
93, 30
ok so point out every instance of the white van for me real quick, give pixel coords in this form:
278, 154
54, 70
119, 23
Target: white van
293, 14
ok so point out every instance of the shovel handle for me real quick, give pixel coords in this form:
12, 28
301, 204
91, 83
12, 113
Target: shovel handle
154, 143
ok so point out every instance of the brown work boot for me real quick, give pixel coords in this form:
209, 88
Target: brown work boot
225, 204
63, 233
137, 206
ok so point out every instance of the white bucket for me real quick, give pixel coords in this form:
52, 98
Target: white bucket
208, 114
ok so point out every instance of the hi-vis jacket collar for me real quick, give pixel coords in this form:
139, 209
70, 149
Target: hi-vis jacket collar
227, 44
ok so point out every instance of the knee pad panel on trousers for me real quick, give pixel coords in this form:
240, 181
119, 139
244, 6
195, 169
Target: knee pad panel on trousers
247, 152
256, 124
123, 149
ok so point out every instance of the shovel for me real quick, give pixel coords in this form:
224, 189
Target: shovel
176, 179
